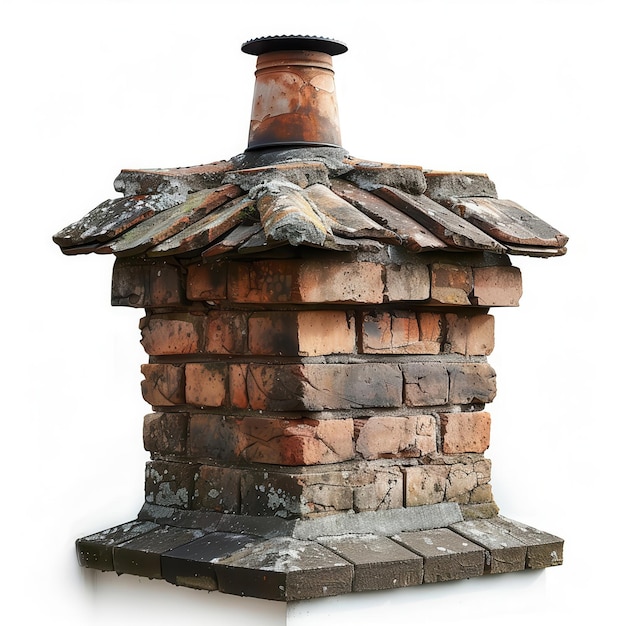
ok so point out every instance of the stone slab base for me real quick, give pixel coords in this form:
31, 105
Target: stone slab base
289, 560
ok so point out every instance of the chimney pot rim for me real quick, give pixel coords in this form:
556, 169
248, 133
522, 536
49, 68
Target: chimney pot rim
275, 43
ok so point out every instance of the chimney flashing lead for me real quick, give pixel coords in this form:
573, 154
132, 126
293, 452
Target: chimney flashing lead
294, 102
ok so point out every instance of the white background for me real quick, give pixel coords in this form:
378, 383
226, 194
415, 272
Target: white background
529, 92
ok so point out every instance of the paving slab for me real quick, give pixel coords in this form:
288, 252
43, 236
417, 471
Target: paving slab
285, 569
142, 556
191, 565
506, 553
379, 562
447, 555
96, 551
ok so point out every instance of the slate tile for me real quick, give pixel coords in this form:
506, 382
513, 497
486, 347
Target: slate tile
379, 562
285, 569
142, 556
96, 551
506, 553
447, 555
191, 565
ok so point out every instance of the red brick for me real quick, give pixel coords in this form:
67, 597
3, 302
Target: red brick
392, 333
326, 332
237, 385
170, 334
316, 387
207, 281
164, 384
226, 332
206, 384
471, 383
465, 432
395, 437
274, 333
471, 335
292, 280
451, 284
425, 384
165, 433
497, 286
430, 329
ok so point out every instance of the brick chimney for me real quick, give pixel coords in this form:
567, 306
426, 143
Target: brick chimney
318, 329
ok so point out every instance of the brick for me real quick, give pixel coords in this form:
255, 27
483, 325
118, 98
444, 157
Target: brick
145, 284
170, 484
465, 432
165, 433
393, 437
425, 384
462, 481
425, 484
217, 489
294, 495
470, 335
326, 332
451, 284
292, 280
207, 281
170, 334
226, 332
237, 385
164, 384
274, 333
393, 333
409, 283
430, 325
316, 387
497, 286
471, 383
206, 384
272, 441
377, 488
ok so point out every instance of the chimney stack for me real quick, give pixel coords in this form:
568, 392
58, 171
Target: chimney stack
294, 100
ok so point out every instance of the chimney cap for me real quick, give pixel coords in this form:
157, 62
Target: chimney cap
275, 43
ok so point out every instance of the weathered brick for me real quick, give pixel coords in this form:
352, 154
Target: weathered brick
206, 384
341, 281
272, 441
389, 437
274, 333
430, 325
164, 384
316, 387
217, 489
170, 334
471, 383
461, 482
377, 488
165, 433
146, 283
451, 284
326, 332
425, 384
465, 432
425, 484
409, 283
207, 281
392, 333
226, 332
471, 335
497, 286
169, 483
237, 385
292, 280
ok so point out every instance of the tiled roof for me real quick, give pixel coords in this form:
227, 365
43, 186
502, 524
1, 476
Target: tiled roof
312, 196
